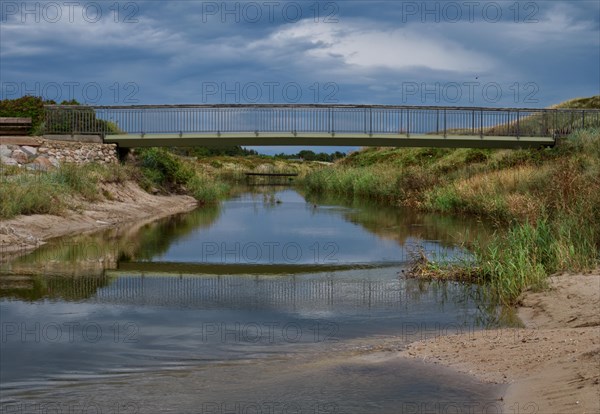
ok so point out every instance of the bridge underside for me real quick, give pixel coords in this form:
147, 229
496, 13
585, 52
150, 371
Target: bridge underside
335, 140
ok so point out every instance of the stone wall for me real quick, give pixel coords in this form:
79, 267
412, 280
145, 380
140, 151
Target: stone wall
42, 154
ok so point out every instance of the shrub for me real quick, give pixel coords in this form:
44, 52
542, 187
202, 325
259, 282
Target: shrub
163, 168
24, 107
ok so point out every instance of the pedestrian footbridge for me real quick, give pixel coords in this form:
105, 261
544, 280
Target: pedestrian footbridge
318, 125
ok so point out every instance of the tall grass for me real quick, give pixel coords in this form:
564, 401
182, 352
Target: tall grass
545, 202
527, 253
26, 192
382, 183
206, 189
24, 195
55, 191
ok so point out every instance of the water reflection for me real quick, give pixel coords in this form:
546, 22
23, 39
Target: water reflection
329, 272
264, 232
407, 226
313, 249
254, 229
40, 287
117, 267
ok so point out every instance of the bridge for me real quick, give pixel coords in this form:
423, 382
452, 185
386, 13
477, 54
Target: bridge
318, 125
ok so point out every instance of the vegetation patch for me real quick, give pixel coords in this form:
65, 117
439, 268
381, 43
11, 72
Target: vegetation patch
53, 192
165, 171
24, 107
543, 201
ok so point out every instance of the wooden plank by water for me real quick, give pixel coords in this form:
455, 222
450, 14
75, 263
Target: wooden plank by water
272, 178
271, 174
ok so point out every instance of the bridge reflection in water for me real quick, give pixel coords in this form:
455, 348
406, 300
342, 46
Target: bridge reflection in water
356, 288
339, 290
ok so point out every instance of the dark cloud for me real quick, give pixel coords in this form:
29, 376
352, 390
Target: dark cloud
534, 54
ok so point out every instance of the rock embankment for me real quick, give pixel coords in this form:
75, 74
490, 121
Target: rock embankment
42, 154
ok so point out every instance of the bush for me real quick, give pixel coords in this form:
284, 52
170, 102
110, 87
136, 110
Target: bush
24, 107
476, 155
163, 168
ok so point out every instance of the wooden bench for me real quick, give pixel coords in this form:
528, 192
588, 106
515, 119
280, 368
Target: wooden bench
15, 126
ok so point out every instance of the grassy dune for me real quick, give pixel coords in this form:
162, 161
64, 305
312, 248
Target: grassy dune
26, 192
58, 190
544, 201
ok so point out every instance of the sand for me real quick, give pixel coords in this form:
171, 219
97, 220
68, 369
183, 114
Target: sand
129, 204
552, 365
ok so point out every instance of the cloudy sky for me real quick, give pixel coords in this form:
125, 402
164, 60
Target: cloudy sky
523, 54
494, 53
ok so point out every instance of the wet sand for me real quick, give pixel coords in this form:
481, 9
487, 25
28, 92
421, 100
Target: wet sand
551, 366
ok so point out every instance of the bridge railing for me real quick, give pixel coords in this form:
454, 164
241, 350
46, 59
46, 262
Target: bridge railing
316, 119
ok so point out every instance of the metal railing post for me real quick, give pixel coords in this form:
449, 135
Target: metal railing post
142, 123
572, 120
481, 124
445, 123
332, 121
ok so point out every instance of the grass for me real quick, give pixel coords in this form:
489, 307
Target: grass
206, 189
24, 192
544, 203
529, 252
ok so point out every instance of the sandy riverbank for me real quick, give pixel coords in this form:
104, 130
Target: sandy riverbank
128, 203
551, 366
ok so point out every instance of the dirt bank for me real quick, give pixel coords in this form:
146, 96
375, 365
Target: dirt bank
128, 203
552, 365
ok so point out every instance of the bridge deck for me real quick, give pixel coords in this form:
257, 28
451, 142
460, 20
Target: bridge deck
324, 139
319, 125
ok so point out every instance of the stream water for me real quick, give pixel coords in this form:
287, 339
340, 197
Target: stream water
272, 302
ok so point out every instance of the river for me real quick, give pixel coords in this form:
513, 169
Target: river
272, 302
